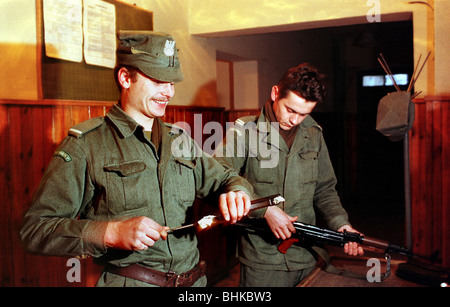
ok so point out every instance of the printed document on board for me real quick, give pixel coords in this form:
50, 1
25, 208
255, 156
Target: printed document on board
99, 26
63, 29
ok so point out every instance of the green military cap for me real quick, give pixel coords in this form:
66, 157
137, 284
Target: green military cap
155, 54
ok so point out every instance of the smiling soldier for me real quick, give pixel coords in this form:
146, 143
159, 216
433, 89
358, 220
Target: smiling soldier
113, 187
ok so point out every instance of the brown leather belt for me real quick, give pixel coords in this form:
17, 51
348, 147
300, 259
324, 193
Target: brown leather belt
158, 278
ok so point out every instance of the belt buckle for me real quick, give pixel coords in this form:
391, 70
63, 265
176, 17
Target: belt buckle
170, 276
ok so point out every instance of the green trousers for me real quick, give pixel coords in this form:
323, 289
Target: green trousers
251, 277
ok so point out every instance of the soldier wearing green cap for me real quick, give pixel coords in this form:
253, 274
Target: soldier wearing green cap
113, 187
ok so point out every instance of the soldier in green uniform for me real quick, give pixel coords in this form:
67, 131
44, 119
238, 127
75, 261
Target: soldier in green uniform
282, 151
116, 184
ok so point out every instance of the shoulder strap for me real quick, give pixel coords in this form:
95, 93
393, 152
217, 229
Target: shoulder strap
242, 121
82, 128
174, 129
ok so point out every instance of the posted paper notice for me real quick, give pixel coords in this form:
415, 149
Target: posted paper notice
99, 26
63, 29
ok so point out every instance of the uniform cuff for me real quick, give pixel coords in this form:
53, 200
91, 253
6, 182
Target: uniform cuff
93, 236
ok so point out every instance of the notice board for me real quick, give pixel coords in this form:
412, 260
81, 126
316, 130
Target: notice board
65, 80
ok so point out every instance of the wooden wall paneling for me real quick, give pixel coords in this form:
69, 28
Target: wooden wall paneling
232, 115
33, 174
6, 265
61, 122
427, 168
79, 114
182, 117
435, 180
48, 131
418, 179
98, 111
445, 219
429, 162
416, 135
17, 128
168, 116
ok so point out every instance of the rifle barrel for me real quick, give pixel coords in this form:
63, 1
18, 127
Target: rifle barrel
381, 244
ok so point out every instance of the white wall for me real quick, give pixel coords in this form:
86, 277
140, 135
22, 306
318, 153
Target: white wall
246, 85
198, 60
212, 18
18, 79
223, 84
191, 21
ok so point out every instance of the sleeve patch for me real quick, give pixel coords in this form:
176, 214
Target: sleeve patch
61, 153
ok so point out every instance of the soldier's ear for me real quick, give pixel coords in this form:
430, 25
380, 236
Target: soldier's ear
124, 77
275, 92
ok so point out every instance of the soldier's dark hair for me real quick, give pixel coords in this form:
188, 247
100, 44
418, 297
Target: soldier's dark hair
304, 80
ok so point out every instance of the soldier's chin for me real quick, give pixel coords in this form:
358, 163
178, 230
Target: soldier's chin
286, 127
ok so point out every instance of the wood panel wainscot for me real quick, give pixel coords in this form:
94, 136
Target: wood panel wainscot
430, 177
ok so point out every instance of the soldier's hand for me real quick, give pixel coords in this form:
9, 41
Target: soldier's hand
351, 248
136, 233
280, 223
234, 205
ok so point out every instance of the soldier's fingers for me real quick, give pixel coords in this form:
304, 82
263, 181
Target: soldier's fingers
353, 248
152, 224
284, 233
346, 247
291, 227
360, 251
238, 202
224, 207
147, 242
163, 233
231, 204
242, 203
247, 203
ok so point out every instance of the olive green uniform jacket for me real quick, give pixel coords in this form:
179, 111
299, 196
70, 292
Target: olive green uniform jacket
303, 175
106, 169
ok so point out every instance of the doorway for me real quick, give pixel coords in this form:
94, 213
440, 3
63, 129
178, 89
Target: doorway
371, 171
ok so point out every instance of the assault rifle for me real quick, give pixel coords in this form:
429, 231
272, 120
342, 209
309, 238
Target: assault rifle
310, 234
415, 270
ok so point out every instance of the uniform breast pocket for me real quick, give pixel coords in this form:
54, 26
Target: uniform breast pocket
128, 184
309, 166
265, 181
184, 180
